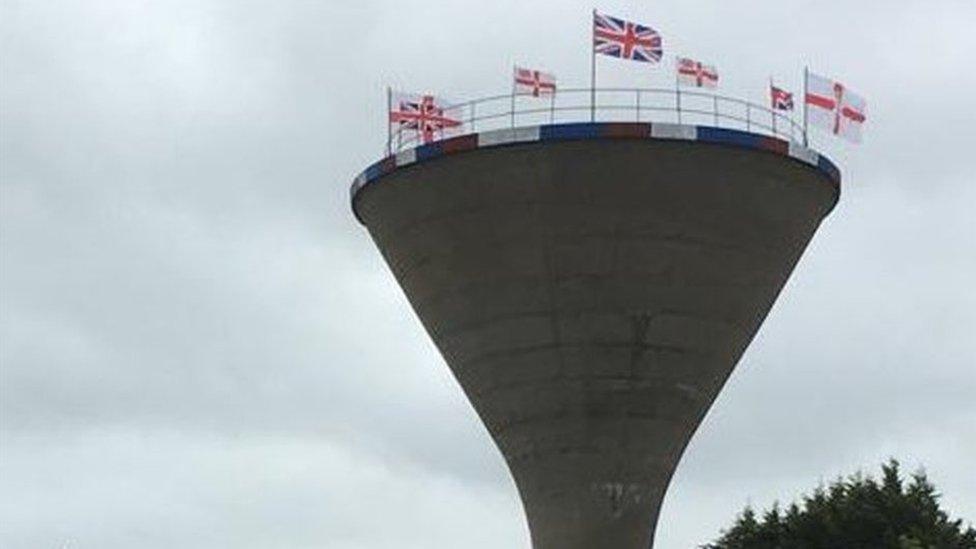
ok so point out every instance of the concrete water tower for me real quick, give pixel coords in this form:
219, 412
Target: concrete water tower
591, 287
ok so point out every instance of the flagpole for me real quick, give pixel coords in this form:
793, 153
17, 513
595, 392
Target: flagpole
677, 91
772, 103
552, 106
592, 71
389, 127
806, 85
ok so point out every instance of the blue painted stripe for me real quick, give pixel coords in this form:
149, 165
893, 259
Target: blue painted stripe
430, 150
729, 137
826, 165
569, 131
373, 171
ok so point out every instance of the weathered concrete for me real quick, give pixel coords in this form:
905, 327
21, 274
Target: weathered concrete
592, 297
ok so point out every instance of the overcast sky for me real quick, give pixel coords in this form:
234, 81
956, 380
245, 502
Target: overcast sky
200, 347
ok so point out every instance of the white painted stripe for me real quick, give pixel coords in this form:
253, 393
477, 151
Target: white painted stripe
800, 152
508, 135
406, 157
527, 133
356, 185
495, 137
674, 131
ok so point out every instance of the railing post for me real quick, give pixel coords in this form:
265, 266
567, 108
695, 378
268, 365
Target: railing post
715, 105
513, 108
806, 89
389, 127
677, 101
471, 122
638, 104
748, 116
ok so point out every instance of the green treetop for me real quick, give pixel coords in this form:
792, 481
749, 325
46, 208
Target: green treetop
858, 512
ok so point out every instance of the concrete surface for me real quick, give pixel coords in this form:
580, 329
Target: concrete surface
592, 297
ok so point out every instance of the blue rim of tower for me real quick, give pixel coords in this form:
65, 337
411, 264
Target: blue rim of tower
594, 130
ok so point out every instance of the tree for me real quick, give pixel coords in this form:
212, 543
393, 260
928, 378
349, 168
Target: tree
858, 512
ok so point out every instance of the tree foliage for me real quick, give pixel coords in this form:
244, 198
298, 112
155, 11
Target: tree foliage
858, 512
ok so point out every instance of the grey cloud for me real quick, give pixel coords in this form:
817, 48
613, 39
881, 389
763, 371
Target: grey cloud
200, 347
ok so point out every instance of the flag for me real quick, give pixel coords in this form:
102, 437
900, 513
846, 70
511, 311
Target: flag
835, 108
429, 117
693, 73
535, 82
780, 99
618, 38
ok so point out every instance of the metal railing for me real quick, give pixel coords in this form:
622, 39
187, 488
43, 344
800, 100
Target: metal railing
611, 105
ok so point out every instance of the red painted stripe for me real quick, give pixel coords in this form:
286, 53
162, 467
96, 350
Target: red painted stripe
775, 145
388, 164
625, 130
458, 144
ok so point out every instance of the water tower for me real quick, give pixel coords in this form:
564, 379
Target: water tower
592, 286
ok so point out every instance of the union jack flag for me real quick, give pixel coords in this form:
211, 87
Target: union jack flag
424, 114
618, 38
781, 99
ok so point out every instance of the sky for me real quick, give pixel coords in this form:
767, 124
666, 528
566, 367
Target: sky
201, 348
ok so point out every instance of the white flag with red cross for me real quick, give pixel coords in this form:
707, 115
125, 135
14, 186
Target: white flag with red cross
534, 82
425, 116
835, 108
694, 73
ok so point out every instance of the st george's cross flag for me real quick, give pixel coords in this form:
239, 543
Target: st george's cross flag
780, 99
625, 39
694, 73
423, 115
533, 82
833, 107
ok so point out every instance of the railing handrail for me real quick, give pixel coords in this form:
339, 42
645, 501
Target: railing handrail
751, 115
